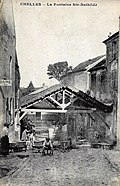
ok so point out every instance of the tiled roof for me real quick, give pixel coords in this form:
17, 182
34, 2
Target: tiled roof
25, 100
24, 91
44, 104
87, 100
100, 65
82, 66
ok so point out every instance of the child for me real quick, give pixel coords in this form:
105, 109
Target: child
47, 145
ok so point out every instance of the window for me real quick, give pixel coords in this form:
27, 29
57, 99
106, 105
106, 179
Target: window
114, 50
10, 68
93, 82
114, 80
103, 83
38, 116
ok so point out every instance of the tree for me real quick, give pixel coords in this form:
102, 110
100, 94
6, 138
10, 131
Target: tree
30, 88
26, 123
58, 70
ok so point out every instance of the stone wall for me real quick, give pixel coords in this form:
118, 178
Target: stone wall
7, 62
112, 79
104, 84
77, 80
89, 126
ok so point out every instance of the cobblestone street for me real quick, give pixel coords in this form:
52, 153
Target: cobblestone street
83, 167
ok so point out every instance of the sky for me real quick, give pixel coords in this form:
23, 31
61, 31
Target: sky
49, 34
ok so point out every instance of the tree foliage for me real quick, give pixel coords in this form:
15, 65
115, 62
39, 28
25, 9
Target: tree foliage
58, 70
28, 90
26, 123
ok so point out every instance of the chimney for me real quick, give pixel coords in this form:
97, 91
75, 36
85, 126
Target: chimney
109, 34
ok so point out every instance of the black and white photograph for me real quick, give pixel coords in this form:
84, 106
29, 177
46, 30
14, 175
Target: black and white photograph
59, 93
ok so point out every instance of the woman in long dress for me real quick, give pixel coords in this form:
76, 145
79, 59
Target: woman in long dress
24, 135
5, 140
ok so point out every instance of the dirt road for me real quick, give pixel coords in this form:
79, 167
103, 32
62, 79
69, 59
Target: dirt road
78, 167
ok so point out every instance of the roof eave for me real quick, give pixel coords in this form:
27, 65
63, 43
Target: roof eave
114, 35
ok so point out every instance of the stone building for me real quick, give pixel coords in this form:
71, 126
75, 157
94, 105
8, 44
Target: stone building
90, 77
103, 84
9, 69
98, 78
80, 76
111, 85
98, 81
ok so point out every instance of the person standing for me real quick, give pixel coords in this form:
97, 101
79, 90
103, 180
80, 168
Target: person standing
5, 140
31, 139
24, 135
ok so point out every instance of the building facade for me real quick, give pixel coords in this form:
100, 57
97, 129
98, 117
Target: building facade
9, 69
111, 85
80, 76
104, 82
98, 78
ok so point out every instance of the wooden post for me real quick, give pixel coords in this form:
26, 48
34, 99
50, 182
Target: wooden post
17, 121
118, 104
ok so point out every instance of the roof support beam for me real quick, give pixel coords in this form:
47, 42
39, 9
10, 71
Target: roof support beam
63, 105
63, 97
91, 117
55, 105
103, 121
55, 101
81, 111
69, 93
21, 117
44, 110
